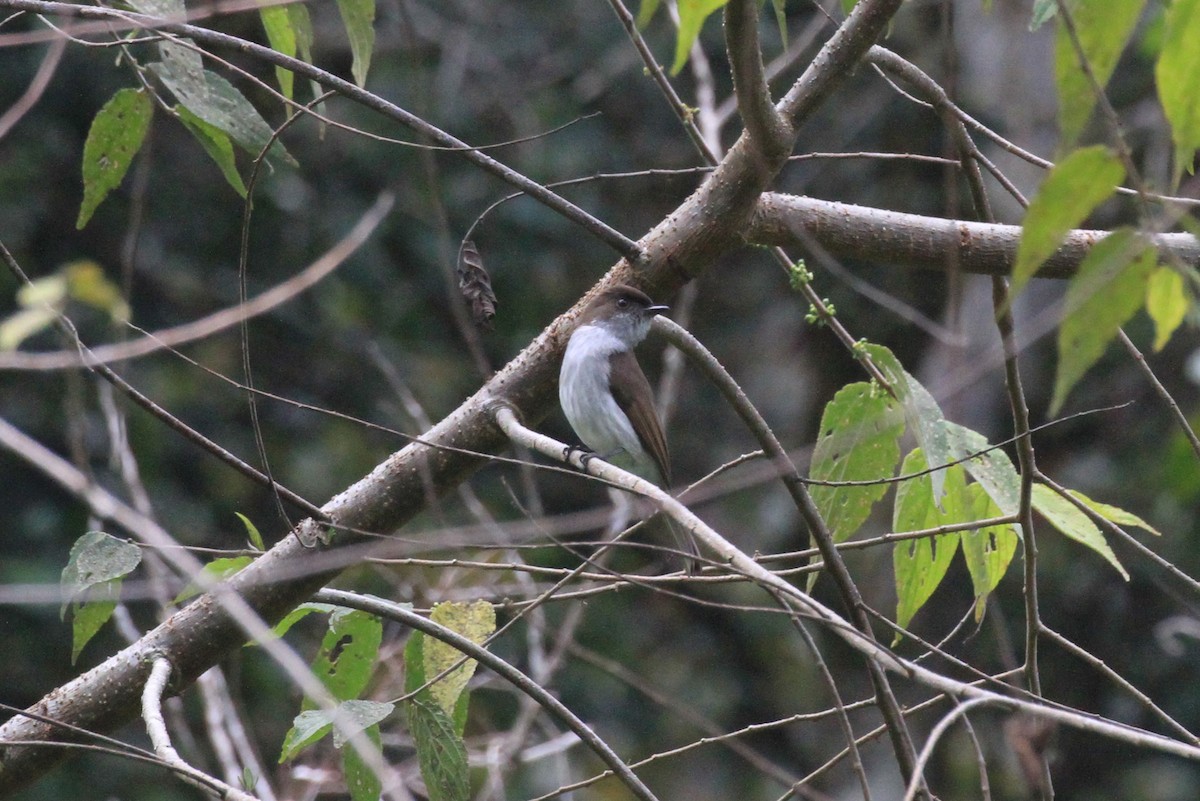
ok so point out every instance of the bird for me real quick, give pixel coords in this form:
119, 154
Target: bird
605, 395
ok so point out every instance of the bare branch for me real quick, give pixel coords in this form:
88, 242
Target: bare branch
914, 240
767, 129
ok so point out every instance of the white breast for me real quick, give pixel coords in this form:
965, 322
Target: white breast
588, 403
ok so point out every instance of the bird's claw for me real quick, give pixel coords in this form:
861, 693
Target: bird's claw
585, 455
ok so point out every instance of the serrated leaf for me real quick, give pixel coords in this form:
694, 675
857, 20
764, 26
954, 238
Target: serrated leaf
89, 617
692, 14
362, 782
921, 564
1073, 523
1114, 514
216, 101
216, 144
476, 621
1177, 74
1102, 29
96, 558
1072, 190
277, 23
359, 18
859, 440
1166, 303
922, 413
993, 470
216, 570
1108, 289
115, 136
987, 551
440, 751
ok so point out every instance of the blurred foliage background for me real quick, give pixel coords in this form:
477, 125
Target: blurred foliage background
381, 326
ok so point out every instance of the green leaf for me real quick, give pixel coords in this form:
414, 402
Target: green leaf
359, 18
299, 613
924, 416
414, 663
859, 440
91, 583
779, 6
308, 727
1072, 190
987, 551
82, 280
921, 564
1177, 74
1114, 514
692, 14
1043, 10
1108, 289
216, 570
21, 325
96, 558
349, 718
251, 532
993, 470
348, 652
440, 751
277, 22
355, 716
89, 617
362, 782
302, 25
1063, 515
87, 283
646, 12
216, 144
216, 101
1166, 303
1102, 27
116, 135
476, 621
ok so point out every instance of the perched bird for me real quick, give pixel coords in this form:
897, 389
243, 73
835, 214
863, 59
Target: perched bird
606, 397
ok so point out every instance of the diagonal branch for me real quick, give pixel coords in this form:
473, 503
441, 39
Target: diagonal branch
705, 226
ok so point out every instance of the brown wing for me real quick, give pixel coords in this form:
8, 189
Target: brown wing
625, 377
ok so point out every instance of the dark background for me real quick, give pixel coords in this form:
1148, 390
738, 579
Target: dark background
497, 71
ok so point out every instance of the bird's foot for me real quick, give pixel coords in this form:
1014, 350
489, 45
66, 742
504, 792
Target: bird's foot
585, 455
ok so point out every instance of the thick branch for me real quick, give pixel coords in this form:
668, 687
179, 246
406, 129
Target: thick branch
914, 240
706, 225
767, 129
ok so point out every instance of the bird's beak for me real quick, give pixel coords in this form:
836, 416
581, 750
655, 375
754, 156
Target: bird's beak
657, 309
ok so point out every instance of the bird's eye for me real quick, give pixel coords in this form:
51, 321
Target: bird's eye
622, 302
